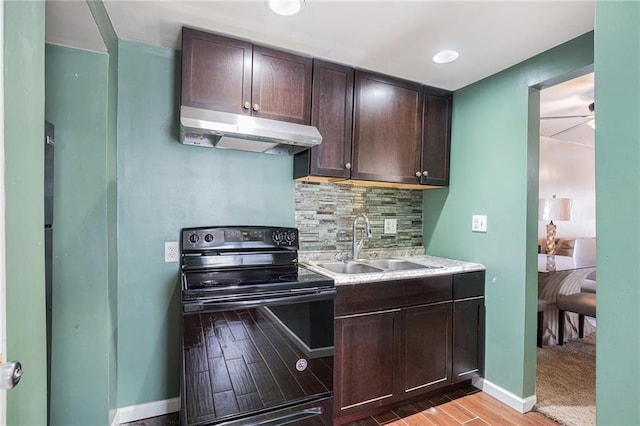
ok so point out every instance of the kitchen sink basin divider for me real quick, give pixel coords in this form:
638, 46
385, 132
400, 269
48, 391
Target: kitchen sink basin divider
373, 266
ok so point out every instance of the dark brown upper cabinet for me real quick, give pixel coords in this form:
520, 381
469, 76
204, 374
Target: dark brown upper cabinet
332, 114
375, 128
436, 139
236, 76
387, 129
216, 72
281, 86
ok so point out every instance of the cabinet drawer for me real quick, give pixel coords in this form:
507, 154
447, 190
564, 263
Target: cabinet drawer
358, 298
468, 284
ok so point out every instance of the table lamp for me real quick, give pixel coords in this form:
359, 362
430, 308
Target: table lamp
553, 209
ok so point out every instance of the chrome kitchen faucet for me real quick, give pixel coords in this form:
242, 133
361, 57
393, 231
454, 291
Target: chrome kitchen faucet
355, 251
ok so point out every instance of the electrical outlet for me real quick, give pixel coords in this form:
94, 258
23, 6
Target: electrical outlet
171, 250
479, 223
391, 226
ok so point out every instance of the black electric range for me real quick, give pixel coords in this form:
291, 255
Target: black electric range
257, 329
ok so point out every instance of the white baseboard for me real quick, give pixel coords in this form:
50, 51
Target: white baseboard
159, 408
144, 411
116, 419
522, 405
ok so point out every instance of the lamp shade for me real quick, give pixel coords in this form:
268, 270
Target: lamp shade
554, 208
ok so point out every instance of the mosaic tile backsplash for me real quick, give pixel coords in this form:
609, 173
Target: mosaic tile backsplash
325, 211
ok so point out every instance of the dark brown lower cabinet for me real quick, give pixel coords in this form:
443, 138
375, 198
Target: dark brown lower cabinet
468, 325
468, 341
426, 339
399, 339
365, 359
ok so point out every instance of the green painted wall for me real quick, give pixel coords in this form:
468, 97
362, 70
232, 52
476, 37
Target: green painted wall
162, 187
110, 39
617, 73
76, 93
494, 164
24, 220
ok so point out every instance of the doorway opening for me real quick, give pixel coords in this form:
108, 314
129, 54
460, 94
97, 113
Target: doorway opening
567, 173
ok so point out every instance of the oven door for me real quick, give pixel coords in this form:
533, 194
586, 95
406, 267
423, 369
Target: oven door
259, 363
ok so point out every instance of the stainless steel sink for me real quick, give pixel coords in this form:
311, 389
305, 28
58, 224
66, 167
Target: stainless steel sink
372, 266
397, 265
349, 267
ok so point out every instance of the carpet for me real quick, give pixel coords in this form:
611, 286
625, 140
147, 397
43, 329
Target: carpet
566, 381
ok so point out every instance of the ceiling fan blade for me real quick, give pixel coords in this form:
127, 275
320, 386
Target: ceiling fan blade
567, 116
569, 128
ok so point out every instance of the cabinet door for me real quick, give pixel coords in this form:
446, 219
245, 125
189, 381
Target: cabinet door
426, 342
468, 338
332, 114
366, 348
281, 88
436, 144
216, 72
387, 129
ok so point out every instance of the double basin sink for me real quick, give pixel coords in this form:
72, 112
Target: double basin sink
372, 266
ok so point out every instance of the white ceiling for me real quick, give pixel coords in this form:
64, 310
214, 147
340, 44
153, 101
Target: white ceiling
69, 23
392, 37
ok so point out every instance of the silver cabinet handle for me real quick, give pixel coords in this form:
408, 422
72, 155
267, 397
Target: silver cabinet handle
256, 107
10, 374
418, 174
347, 166
246, 105
425, 173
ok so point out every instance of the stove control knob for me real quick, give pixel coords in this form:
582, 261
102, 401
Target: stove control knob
208, 238
277, 237
194, 238
290, 237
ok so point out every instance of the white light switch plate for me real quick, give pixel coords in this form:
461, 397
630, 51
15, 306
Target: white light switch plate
391, 226
171, 250
479, 223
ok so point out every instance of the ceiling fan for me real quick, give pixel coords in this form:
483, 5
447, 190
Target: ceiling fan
587, 119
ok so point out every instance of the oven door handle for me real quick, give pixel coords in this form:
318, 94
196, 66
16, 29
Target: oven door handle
192, 307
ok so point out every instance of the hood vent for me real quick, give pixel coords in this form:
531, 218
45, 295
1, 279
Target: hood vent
245, 133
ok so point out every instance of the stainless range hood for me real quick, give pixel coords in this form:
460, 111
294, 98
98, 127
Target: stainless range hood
242, 132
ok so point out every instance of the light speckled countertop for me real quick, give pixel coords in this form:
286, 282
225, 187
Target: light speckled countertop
446, 267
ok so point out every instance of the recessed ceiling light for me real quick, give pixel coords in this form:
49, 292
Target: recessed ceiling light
286, 7
445, 56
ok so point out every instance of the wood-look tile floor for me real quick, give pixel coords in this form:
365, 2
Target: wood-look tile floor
467, 406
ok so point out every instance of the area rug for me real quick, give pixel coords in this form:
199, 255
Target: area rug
566, 381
